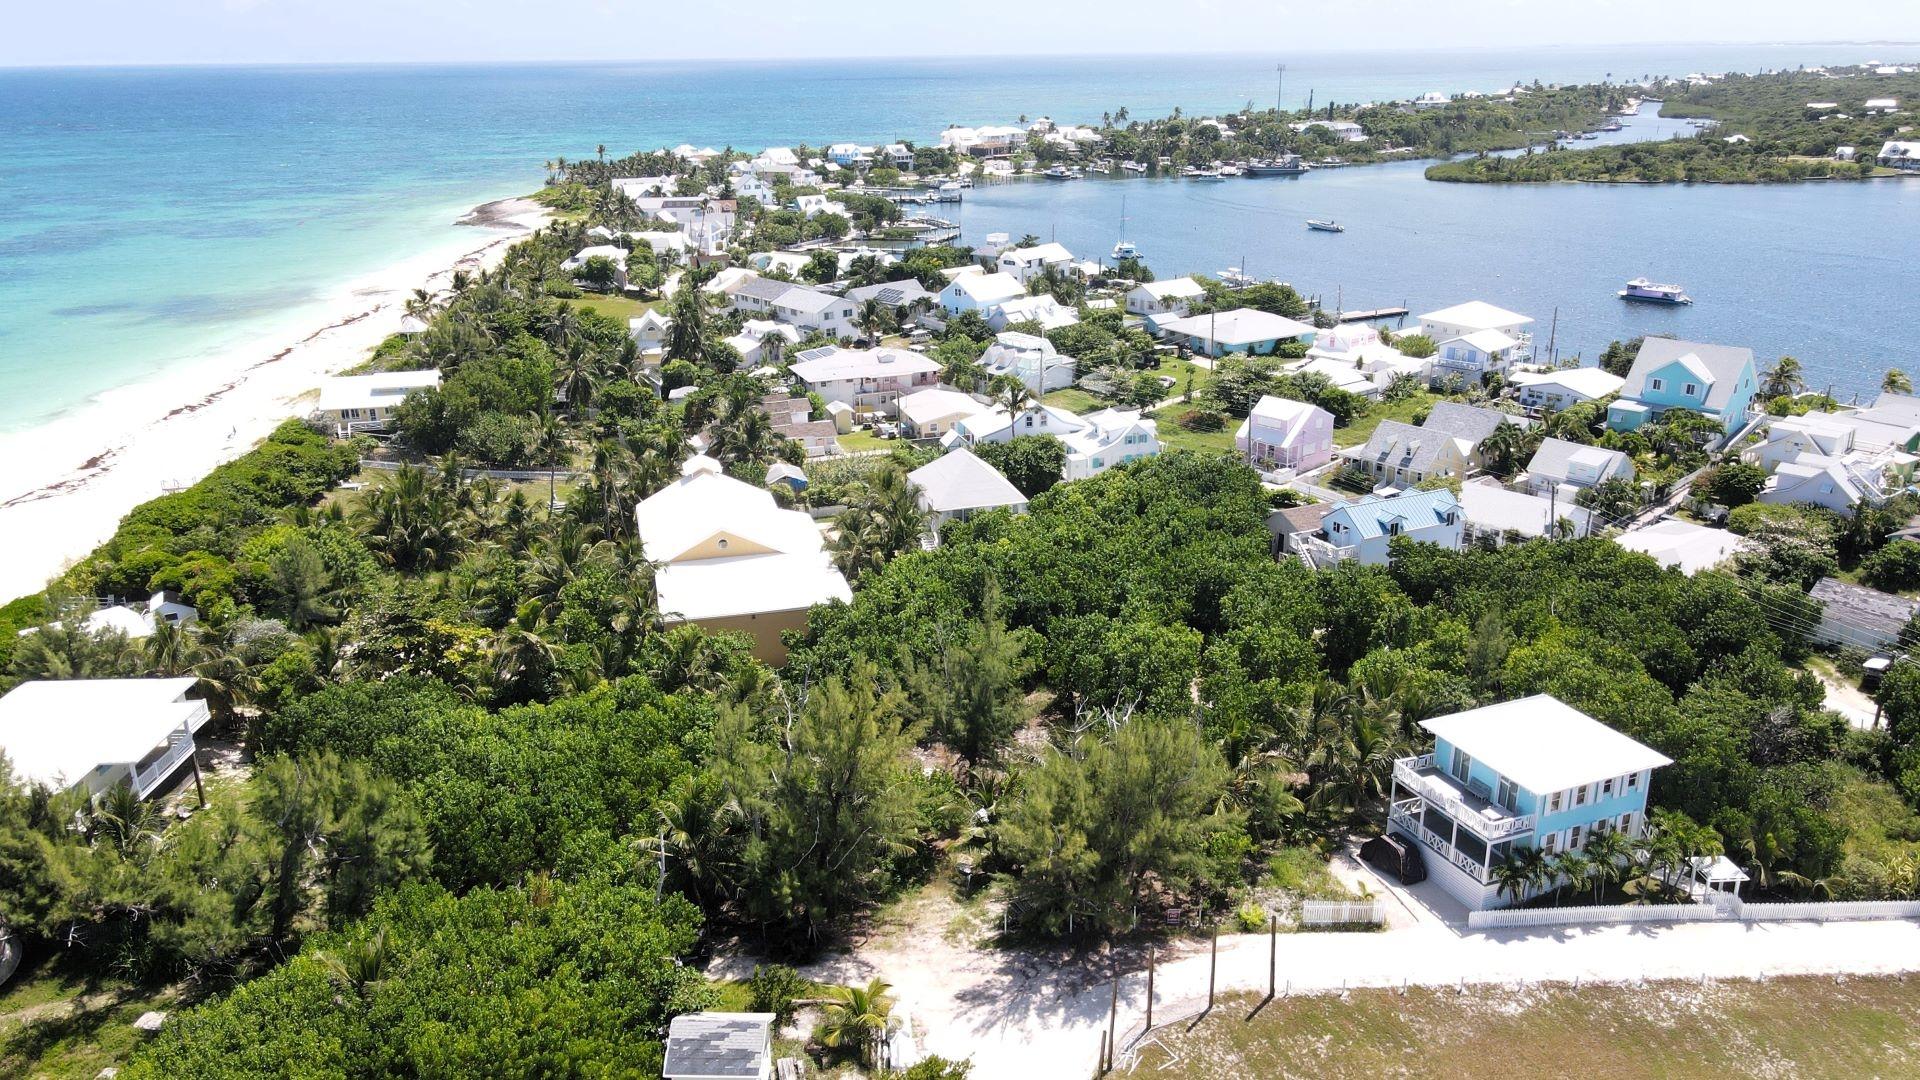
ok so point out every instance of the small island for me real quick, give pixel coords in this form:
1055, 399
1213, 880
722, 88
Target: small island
1809, 124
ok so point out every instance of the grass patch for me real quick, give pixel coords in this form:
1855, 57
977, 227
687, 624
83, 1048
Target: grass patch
61, 1021
1175, 437
1075, 400
615, 307
1305, 872
1403, 410
854, 442
1785, 1027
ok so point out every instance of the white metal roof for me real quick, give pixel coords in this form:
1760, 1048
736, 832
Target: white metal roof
55, 732
749, 585
842, 364
1172, 287
988, 288
1477, 315
382, 390
1590, 383
1692, 548
957, 480
1241, 326
927, 406
1544, 744
704, 503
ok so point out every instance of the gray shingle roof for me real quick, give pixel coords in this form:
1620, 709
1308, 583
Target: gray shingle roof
764, 288
717, 1044
1556, 456
1724, 364
1466, 421
892, 293
1861, 606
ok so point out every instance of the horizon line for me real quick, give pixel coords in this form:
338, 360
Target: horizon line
149, 65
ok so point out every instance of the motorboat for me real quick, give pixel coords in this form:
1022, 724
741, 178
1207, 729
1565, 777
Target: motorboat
1126, 249
1325, 226
1061, 172
1133, 166
1285, 165
1653, 292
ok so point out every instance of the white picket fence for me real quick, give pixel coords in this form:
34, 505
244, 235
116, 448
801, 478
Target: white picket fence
1342, 912
1728, 910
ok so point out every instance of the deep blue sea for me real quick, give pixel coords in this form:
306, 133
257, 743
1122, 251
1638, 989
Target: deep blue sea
150, 218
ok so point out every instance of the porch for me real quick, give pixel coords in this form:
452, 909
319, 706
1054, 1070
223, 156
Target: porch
1456, 822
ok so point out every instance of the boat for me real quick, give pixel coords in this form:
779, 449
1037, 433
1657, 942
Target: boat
1124, 249
951, 185
1325, 226
1232, 170
1652, 292
1284, 165
1193, 173
1060, 172
1614, 125
1133, 166
1236, 278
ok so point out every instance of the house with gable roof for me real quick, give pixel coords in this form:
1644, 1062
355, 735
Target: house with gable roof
1476, 338
1714, 380
1446, 444
1363, 528
1280, 433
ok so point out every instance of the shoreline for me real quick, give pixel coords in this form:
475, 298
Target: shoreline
72, 479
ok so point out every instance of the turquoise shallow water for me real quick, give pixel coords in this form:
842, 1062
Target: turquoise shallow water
151, 217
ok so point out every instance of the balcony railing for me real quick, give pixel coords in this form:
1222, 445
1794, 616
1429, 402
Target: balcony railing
1407, 815
149, 776
1440, 791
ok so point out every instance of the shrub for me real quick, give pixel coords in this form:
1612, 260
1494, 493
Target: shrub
774, 988
1251, 918
1202, 420
1894, 567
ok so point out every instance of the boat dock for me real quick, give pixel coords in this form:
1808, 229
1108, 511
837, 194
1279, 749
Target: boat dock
1376, 313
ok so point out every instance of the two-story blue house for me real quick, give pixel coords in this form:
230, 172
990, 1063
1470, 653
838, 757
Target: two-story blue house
1534, 772
1713, 380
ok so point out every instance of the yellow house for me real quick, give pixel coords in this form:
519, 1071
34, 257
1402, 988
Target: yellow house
732, 559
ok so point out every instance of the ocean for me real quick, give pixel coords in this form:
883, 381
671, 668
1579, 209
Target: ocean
153, 218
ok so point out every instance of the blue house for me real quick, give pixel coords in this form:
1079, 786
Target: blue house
1364, 528
1713, 380
1529, 773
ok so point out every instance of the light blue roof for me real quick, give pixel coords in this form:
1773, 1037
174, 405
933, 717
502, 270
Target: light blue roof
1417, 509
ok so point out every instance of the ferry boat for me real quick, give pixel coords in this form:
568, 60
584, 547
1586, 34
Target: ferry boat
1061, 172
1325, 226
1652, 292
1285, 165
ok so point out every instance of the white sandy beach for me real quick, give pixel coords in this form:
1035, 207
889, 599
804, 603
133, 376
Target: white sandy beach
68, 483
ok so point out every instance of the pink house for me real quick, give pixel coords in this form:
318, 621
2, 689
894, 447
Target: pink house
1282, 433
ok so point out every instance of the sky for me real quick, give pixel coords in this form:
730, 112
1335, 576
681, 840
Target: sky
334, 31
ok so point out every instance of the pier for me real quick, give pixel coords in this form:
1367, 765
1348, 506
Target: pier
1370, 316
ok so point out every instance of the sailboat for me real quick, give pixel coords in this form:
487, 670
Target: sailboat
1125, 249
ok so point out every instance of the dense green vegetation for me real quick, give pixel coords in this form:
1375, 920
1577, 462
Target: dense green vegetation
1777, 136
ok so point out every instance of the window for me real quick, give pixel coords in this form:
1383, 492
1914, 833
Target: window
1553, 803
1551, 842
1626, 822
1462, 763
1573, 838
1606, 789
1690, 390
1633, 781
1656, 384
1580, 795
1507, 795
1029, 419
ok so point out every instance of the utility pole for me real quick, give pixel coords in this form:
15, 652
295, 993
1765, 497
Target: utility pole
1273, 954
1113, 1009
1213, 966
1149, 1026
1280, 88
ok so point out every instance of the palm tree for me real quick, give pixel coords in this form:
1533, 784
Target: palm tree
577, 376
873, 316
1501, 449
856, 1017
522, 659
359, 966
1611, 852
124, 820
1895, 381
773, 345
1011, 394
1513, 875
1783, 378
1574, 870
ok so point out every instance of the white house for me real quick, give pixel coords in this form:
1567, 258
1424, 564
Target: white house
1562, 387
613, 254
1559, 463
135, 621
1898, 154
796, 305
1108, 438
931, 413
95, 734
1051, 314
850, 155
649, 330
1172, 296
1095, 442
1025, 264
1344, 130
866, 379
1476, 337
751, 341
731, 559
1684, 546
1242, 330
362, 402
1280, 433
1857, 617
1031, 359
1363, 528
719, 1046
980, 292
957, 485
